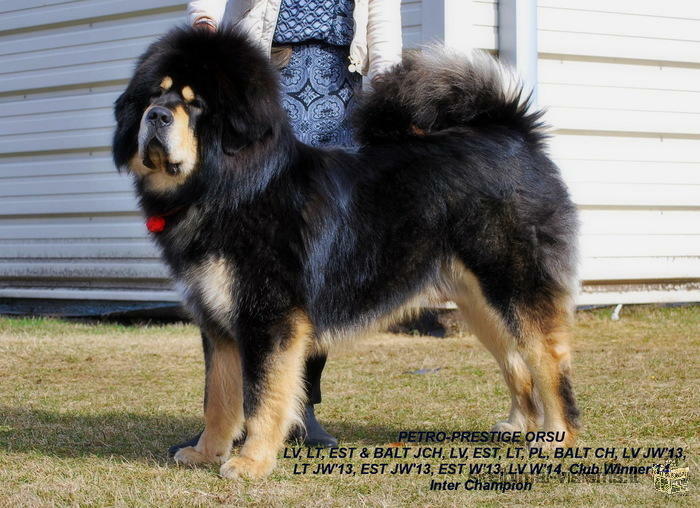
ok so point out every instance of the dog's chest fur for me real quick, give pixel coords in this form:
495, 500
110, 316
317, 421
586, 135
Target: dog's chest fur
209, 290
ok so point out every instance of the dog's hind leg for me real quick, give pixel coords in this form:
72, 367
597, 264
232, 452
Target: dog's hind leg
223, 404
535, 357
273, 363
488, 326
545, 348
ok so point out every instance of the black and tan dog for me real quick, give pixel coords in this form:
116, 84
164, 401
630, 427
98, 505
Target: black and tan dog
281, 248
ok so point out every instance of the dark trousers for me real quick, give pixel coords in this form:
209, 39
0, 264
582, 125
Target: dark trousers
312, 378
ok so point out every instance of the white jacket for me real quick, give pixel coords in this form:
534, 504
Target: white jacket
376, 44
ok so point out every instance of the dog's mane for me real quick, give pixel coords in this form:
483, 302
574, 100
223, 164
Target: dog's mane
244, 133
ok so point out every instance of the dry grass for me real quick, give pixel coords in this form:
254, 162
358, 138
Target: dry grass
87, 412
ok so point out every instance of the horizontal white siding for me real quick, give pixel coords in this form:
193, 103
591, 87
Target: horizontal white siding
69, 226
420, 19
412, 19
484, 24
620, 78
621, 82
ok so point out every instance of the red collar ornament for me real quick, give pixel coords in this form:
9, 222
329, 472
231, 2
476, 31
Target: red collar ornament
155, 223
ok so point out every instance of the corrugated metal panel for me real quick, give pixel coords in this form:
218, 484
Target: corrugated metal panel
69, 226
621, 81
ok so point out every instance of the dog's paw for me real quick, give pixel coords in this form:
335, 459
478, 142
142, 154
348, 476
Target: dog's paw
507, 427
190, 456
245, 467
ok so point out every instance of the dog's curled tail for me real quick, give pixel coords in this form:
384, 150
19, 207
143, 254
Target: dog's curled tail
436, 89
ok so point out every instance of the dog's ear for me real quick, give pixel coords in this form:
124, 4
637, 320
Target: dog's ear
249, 119
240, 130
130, 105
128, 116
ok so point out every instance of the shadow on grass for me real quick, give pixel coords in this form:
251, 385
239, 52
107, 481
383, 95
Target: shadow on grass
131, 436
363, 433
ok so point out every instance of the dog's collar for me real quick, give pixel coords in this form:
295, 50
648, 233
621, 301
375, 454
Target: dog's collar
157, 223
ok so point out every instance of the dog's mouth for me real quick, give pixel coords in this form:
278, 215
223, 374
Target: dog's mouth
155, 156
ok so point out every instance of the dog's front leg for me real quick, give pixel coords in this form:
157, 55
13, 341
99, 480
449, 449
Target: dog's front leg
223, 403
273, 357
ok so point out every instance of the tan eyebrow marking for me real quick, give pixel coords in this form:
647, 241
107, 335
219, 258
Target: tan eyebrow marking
188, 94
166, 83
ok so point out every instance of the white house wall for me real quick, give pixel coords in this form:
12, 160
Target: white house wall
69, 228
68, 222
621, 82
620, 79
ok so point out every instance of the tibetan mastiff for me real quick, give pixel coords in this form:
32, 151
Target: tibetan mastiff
280, 248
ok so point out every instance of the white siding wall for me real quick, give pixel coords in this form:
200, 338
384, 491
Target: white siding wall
473, 21
484, 28
621, 81
68, 222
69, 226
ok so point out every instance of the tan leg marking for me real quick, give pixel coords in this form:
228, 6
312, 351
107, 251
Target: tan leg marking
223, 412
279, 406
547, 354
489, 328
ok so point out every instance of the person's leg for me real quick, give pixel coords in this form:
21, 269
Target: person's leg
314, 434
312, 378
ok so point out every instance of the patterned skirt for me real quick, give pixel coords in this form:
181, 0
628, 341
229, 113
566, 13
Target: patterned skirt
318, 93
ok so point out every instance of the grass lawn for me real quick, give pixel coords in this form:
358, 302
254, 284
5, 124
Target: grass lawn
87, 412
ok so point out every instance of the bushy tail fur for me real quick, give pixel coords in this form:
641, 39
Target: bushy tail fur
436, 89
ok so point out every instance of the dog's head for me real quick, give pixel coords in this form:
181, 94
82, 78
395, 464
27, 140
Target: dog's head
195, 97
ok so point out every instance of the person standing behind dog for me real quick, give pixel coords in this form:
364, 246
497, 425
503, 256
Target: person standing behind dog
323, 48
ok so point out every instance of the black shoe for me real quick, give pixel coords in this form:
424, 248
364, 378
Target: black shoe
427, 324
314, 435
192, 442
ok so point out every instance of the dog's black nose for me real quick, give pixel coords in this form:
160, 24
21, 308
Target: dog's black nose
159, 116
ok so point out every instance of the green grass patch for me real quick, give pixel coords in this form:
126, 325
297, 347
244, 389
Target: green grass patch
88, 410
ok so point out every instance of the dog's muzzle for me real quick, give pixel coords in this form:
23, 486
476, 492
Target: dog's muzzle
159, 117
157, 123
